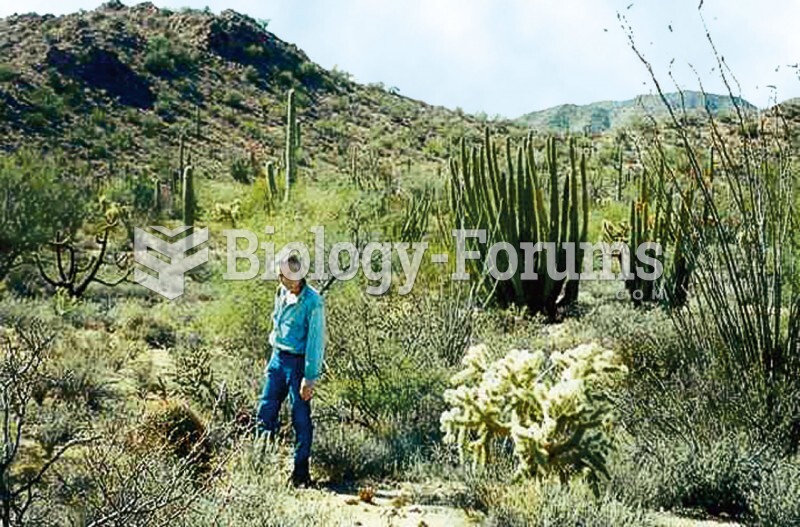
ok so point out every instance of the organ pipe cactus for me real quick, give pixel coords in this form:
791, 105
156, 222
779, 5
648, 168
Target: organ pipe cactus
653, 219
510, 205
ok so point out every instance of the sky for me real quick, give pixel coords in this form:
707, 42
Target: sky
510, 57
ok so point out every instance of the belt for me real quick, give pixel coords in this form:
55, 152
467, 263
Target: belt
286, 353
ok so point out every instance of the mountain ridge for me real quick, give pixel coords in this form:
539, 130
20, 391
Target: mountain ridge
600, 116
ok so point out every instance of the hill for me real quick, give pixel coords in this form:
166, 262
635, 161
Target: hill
607, 115
119, 86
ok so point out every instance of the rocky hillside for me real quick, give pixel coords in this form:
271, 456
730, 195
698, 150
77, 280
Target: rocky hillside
608, 115
119, 86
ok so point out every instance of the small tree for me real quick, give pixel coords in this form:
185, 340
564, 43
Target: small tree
23, 352
36, 199
74, 276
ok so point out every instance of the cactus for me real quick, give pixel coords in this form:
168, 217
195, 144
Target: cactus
652, 219
181, 156
157, 195
619, 175
510, 206
354, 172
291, 145
189, 200
270, 185
415, 216
554, 407
197, 121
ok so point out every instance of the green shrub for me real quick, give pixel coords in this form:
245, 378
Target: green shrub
383, 365
715, 477
42, 195
257, 494
8, 73
157, 333
240, 169
233, 98
166, 56
776, 500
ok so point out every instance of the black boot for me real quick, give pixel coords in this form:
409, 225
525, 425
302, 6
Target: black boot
300, 475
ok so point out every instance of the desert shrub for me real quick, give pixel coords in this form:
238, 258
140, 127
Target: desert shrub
216, 379
173, 425
82, 372
349, 453
165, 56
255, 493
56, 425
80, 313
742, 323
382, 367
242, 319
240, 169
153, 330
644, 338
8, 73
714, 477
82, 383
234, 99
776, 500
553, 407
550, 502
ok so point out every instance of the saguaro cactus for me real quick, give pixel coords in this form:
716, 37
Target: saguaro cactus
291, 144
270, 185
619, 174
189, 202
157, 195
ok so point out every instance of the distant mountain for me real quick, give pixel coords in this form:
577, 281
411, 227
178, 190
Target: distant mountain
607, 115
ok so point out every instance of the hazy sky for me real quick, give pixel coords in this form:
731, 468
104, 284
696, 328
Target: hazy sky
510, 57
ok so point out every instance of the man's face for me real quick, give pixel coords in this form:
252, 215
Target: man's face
291, 285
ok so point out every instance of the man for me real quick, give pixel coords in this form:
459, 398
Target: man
298, 345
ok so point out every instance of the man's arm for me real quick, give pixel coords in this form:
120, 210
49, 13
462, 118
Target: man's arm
271, 338
315, 346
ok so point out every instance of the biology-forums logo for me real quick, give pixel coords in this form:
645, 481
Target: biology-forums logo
163, 261
166, 255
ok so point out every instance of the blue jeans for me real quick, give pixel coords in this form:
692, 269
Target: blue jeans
283, 376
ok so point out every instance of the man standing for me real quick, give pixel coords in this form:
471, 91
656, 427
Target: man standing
298, 345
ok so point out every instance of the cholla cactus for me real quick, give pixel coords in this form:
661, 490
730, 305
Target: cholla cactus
554, 408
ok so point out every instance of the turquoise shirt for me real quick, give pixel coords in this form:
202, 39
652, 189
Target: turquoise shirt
299, 327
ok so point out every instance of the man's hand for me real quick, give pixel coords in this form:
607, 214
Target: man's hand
307, 389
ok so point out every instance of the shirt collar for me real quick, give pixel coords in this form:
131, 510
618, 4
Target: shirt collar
303, 291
